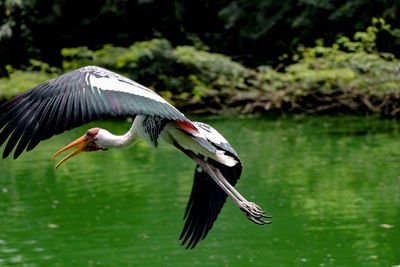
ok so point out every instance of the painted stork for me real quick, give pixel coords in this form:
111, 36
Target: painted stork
91, 93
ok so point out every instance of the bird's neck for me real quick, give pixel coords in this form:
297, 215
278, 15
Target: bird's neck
109, 140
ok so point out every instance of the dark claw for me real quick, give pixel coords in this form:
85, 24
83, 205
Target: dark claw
265, 216
258, 221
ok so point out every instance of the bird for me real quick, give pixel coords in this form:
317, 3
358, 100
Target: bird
92, 93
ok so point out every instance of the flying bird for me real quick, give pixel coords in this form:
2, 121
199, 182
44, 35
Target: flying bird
91, 93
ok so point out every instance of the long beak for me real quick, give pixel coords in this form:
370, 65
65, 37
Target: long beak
81, 141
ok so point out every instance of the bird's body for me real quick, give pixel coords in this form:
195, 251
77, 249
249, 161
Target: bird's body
92, 93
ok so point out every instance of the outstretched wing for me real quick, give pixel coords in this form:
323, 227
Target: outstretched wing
73, 99
207, 198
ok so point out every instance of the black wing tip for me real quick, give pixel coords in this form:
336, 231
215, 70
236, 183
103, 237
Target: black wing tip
191, 244
189, 239
7, 151
17, 153
5, 154
199, 215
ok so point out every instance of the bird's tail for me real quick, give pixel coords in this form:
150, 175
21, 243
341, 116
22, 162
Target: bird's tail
225, 159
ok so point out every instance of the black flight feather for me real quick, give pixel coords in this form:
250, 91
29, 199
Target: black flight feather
207, 198
206, 201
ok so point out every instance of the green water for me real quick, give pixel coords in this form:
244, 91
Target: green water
332, 185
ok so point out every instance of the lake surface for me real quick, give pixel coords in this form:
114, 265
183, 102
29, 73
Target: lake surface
332, 185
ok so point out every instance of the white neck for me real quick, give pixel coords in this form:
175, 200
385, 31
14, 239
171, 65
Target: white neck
108, 140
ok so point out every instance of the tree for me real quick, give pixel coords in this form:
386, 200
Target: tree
251, 31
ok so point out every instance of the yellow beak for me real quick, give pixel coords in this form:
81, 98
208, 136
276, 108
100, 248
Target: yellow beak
82, 142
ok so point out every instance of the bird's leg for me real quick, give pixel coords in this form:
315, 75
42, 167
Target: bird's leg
252, 211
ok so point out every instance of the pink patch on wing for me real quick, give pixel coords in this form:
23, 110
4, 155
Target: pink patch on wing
111, 100
186, 126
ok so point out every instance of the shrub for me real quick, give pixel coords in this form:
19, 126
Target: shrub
349, 75
184, 74
20, 81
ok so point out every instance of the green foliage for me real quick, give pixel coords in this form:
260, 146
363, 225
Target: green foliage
177, 73
250, 30
212, 68
346, 73
20, 81
346, 65
76, 57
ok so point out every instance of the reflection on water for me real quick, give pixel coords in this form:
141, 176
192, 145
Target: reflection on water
332, 185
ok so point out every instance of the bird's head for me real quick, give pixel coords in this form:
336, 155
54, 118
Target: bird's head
85, 143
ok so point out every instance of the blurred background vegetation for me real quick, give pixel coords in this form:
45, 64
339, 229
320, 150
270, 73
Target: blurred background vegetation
331, 183
215, 56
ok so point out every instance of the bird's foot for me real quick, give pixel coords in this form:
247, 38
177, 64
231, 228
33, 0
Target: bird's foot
254, 212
